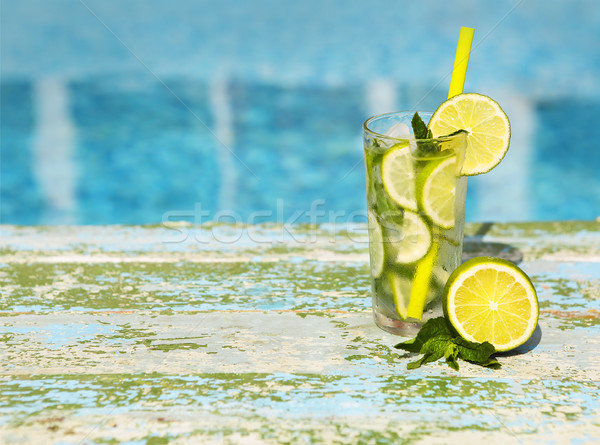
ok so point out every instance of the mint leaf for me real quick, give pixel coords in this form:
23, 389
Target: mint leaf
456, 132
419, 128
427, 358
474, 352
432, 350
421, 132
436, 340
451, 354
385, 207
437, 345
432, 328
418, 363
410, 346
491, 363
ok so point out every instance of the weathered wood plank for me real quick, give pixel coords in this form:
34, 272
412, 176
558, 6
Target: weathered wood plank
283, 285
262, 342
571, 241
120, 334
301, 408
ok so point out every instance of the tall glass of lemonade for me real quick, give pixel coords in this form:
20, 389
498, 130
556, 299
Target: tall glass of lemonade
416, 214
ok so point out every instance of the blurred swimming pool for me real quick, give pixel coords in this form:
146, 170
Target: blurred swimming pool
129, 136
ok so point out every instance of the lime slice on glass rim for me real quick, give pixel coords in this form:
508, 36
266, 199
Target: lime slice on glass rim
491, 299
376, 252
436, 186
487, 126
398, 176
408, 240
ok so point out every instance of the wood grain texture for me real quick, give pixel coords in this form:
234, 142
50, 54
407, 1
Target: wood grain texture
263, 334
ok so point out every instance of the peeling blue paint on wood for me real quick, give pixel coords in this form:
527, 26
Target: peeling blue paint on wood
118, 334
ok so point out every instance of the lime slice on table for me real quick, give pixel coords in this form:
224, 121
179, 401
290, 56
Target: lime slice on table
375, 246
487, 126
437, 186
409, 240
398, 176
491, 299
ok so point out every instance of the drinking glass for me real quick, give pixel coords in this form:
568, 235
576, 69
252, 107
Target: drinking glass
416, 215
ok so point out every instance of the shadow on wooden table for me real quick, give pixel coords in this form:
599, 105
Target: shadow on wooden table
474, 246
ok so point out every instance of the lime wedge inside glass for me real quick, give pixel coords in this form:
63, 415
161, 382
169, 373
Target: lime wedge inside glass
437, 188
398, 176
408, 240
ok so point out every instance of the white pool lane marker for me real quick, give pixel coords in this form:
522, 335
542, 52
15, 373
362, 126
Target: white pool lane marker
381, 96
223, 129
53, 150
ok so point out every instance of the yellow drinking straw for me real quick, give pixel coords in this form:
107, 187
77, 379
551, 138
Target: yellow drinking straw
461, 60
420, 288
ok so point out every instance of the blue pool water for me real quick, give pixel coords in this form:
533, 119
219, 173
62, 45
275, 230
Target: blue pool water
253, 112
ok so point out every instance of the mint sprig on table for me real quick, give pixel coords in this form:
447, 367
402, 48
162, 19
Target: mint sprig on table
436, 340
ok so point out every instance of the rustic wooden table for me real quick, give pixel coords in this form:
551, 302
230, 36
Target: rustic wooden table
263, 334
